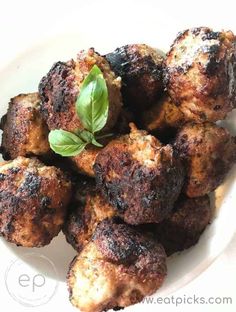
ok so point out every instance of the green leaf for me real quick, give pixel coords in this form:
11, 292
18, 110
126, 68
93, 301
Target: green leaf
66, 143
96, 143
85, 135
92, 104
88, 137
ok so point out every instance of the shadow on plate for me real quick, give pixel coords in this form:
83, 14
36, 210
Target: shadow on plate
59, 252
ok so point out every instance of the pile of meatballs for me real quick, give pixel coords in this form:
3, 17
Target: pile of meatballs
144, 195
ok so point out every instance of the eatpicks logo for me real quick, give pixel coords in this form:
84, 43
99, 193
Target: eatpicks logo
27, 285
187, 300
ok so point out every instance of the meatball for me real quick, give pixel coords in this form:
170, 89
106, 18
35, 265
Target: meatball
183, 228
87, 210
24, 131
33, 202
60, 88
201, 73
163, 116
209, 153
140, 68
140, 177
117, 268
84, 162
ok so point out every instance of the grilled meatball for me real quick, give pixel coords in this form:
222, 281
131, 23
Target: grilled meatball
140, 177
201, 73
84, 162
163, 116
33, 202
88, 209
140, 68
60, 88
24, 131
118, 268
183, 228
209, 153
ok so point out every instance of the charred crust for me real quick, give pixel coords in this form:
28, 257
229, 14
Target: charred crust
133, 264
3, 121
2, 177
31, 184
208, 56
139, 72
57, 90
75, 224
211, 35
60, 88
45, 202
24, 131
201, 146
29, 202
122, 244
137, 191
184, 226
82, 216
119, 61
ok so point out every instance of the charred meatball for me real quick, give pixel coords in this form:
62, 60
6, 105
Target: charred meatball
201, 73
183, 228
84, 162
60, 88
24, 131
140, 68
209, 153
88, 209
33, 202
118, 268
163, 117
139, 176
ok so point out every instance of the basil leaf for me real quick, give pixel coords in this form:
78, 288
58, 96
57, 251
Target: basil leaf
92, 104
85, 135
96, 143
66, 143
88, 137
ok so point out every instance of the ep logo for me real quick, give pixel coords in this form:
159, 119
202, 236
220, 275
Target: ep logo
34, 281
26, 285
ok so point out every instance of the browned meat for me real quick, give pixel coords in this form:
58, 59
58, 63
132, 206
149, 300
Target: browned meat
24, 131
163, 116
201, 73
140, 68
60, 88
33, 202
87, 210
84, 162
183, 228
139, 176
209, 153
118, 268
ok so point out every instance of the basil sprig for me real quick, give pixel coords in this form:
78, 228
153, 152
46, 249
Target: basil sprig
92, 103
92, 107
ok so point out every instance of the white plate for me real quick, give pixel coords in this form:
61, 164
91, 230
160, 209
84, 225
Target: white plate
23, 74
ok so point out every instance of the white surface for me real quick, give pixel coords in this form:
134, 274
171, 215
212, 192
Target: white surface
26, 23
